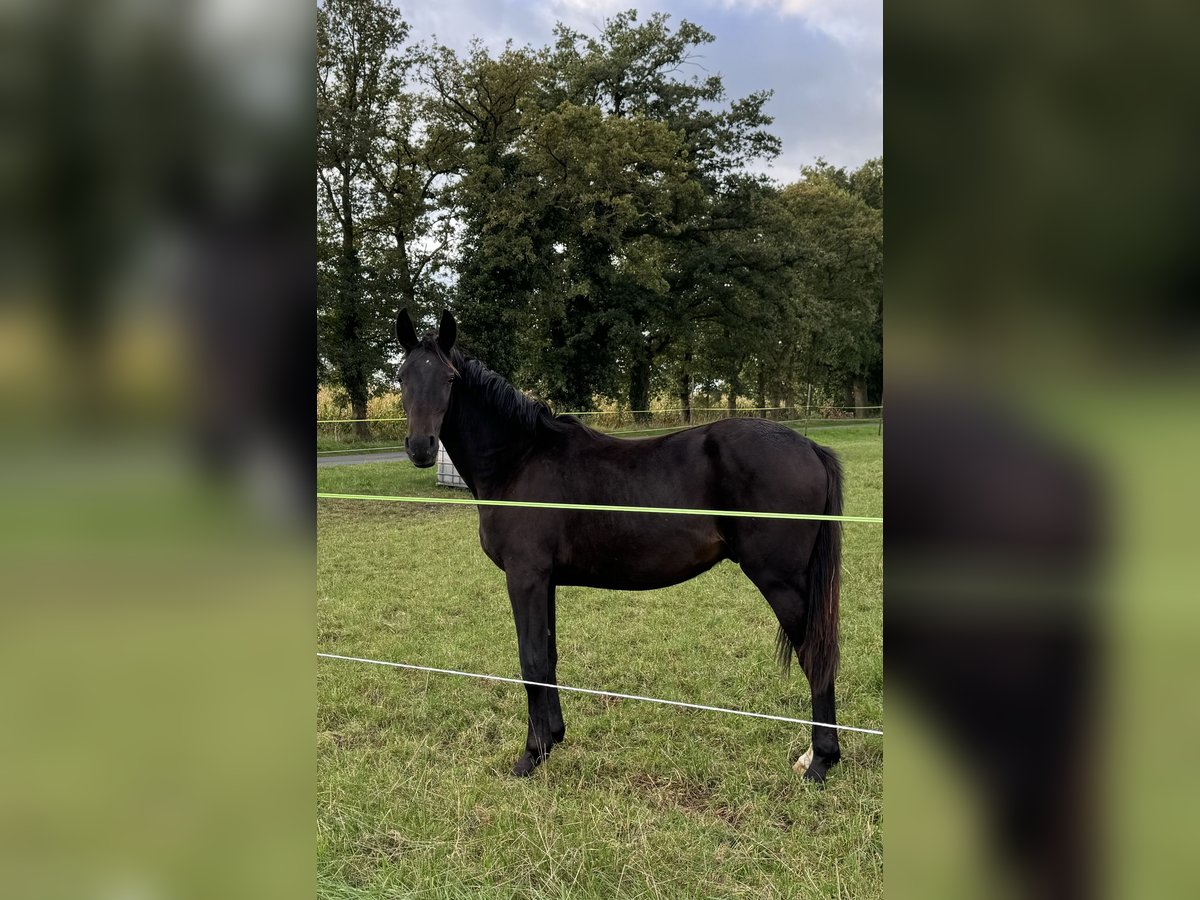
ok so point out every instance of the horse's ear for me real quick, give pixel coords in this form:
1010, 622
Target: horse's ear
447, 332
405, 333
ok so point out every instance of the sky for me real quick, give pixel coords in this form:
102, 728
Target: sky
822, 58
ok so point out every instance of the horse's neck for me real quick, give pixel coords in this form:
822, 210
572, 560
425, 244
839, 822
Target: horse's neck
486, 445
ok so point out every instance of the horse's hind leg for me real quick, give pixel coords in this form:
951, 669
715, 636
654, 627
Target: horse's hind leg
787, 599
825, 750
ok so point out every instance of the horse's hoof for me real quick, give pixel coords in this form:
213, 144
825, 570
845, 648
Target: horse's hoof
815, 774
525, 766
801, 765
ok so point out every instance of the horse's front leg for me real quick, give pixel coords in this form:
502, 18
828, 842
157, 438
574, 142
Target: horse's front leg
558, 728
531, 594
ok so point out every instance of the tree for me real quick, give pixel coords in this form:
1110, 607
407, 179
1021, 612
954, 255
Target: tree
839, 286
357, 77
606, 179
413, 166
504, 239
586, 210
599, 203
663, 280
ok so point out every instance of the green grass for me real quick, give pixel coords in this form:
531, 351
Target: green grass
325, 443
641, 800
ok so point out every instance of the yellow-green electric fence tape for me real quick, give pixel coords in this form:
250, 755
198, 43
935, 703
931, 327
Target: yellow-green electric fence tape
729, 513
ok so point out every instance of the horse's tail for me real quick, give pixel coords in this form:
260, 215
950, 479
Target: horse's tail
819, 653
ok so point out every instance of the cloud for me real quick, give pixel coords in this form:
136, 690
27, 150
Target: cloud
822, 58
591, 7
857, 22
456, 22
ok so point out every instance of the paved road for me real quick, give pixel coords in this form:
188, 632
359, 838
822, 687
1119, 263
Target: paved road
353, 459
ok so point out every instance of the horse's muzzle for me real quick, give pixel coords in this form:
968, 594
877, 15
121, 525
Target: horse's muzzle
422, 451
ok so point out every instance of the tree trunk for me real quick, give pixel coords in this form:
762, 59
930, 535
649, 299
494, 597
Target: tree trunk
353, 380
639, 389
782, 382
858, 389
760, 395
685, 388
735, 387
406, 288
358, 412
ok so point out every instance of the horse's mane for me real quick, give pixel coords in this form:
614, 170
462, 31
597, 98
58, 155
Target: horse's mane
499, 393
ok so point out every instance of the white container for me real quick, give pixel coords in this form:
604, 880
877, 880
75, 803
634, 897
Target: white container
446, 473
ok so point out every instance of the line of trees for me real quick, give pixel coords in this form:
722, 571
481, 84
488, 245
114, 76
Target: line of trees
588, 211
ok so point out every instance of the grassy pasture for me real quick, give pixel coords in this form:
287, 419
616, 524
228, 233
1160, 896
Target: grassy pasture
642, 800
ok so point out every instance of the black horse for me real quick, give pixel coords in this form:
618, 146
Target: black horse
508, 446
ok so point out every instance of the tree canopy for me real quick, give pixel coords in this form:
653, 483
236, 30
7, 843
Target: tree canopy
589, 211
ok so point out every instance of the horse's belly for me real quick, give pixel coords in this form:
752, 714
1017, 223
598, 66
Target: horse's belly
639, 567
627, 580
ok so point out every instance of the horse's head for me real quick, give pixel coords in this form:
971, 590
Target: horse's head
426, 377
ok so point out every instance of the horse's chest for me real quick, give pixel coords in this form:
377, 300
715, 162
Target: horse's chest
519, 537
488, 540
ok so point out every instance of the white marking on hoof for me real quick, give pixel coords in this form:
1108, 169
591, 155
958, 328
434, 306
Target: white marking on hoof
803, 762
